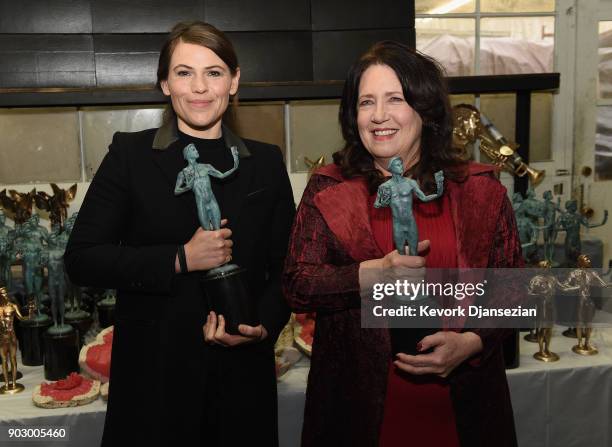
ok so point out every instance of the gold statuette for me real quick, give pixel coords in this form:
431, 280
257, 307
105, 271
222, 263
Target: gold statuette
8, 343
581, 280
543, 286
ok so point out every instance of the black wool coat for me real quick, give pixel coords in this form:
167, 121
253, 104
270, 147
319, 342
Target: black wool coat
167, 384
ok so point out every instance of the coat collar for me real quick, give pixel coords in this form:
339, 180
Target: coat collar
474, 207
167, 135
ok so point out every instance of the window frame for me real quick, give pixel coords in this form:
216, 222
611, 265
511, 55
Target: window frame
558, 167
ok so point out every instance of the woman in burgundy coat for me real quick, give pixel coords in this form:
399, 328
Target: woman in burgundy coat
359, 394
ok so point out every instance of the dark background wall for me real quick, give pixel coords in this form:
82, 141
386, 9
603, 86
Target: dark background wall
112, 43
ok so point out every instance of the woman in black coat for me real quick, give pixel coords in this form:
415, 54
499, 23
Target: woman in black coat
176, 374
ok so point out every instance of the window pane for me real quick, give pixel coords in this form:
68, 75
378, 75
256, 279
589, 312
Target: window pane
514, 45
443, 6
605, 60
39, 145
540, 127
100, 123
603, 144
315, 132
461, 99
450, 41
517, 5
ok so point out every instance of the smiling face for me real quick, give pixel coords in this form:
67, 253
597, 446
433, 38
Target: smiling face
388, 126
199, 85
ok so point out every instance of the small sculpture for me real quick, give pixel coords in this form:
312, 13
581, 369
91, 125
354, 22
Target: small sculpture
570, 222
5, 230
548, 213
532, 207
527, 226
397, 193
74, 291
7, 257
195, 177
57, 204
31, 252
8, 343
544, 286
33, 229
18, 203
54, 260
581, 280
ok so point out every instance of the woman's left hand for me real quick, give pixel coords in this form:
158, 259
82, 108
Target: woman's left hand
450, 350
214, 332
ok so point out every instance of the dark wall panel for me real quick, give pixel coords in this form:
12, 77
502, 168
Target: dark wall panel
126, 69
128, 43
13, 62
65, 61
43, 43
142, 16
48, 16
46, 60
15, 79
335, 51
258, 15
274, 56
351, 14
66, 79
127, 59
84, 43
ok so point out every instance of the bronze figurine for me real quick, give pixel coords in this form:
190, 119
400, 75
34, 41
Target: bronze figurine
8, 343
57, 204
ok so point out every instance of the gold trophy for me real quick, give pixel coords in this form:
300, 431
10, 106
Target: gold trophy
8, 343
581, 280
469, 125
544, 286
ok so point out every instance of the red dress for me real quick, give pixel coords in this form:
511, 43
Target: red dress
418, 409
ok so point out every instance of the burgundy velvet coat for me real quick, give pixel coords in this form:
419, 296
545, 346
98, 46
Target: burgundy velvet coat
348, 375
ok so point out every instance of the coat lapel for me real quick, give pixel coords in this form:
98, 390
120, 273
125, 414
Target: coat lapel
344, 207
236, 189
475, 219
472, 209
170, 162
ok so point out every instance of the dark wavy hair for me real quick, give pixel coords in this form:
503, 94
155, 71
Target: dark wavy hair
424, 89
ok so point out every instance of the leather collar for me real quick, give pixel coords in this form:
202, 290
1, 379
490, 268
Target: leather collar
168, 134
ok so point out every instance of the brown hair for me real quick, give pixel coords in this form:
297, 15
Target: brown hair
425, 91
198, 33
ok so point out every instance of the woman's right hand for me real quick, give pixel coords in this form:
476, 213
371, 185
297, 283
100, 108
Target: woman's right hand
393, 266
208, 249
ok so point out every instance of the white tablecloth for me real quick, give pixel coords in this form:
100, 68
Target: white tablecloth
562, 404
